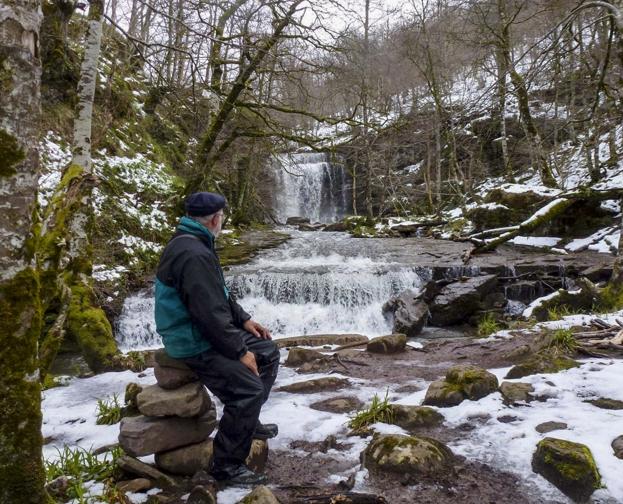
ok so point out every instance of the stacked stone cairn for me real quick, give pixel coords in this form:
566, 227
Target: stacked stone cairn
175, 421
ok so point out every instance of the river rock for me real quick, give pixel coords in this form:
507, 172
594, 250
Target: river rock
567, 465
490, 216
514, 393
201, 495
316, 226
408, 312
260, 495
543, 362
171, 378
330, 383
604, 403
189, 460
617, 446
143, 435
414, 417
344, 404
318, 340
545, 427
576, 301
298, 356
336, 226
458, 300
390, 344
190, 400
523, 202
411, 455
131, 391
130, 465
58, 488
462, 382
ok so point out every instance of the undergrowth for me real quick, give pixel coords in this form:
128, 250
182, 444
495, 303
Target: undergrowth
563, 340
488, 325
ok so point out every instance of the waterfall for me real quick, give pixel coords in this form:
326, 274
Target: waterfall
308, 185
316, 283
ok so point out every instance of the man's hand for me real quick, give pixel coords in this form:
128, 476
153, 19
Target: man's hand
248, 360
257, 330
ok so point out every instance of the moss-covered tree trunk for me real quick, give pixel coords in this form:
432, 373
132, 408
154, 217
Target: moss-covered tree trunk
66, 249
21, 468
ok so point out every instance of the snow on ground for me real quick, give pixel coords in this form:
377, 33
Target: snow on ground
69, 418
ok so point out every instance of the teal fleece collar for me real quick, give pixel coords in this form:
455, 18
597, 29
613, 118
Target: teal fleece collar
189, 225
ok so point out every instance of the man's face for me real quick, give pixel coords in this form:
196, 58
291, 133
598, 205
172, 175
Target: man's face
217, 221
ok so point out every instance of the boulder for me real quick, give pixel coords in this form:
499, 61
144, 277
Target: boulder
604, 403
143, 435
316, 226
329, 383
410, 455
390, 344
543, 362
171, 378
458, 300
617, 446
190, 400
462, 382
130, 465
575, 301
514, 393
260, 495
414, 417
521, 200
135, 485
567, 465
189, 460
344, 404
318, 340
408, 312
490, 216
298, 356
201, 495
545, 427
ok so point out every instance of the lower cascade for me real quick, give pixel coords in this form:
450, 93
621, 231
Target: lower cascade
295, 292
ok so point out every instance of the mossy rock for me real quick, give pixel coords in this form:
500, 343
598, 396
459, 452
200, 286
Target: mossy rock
604, 403
544, 362
414, 417
573, 302
411, 455
475, 382
260, 495
393, 343
567, 465
513, 393
298, 356
443, 394
491, 216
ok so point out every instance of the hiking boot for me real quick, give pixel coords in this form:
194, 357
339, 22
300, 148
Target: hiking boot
265, 431
237, 474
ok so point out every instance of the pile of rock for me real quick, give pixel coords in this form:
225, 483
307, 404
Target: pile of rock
176, 419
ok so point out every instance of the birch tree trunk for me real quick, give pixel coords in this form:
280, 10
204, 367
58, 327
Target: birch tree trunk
66, 249
21, 469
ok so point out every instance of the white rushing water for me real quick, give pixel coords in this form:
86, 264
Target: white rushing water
309, 185
316, 283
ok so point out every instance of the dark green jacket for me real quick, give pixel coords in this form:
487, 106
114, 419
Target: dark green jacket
194, 310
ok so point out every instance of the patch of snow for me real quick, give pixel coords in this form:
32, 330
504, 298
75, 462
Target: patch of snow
535, 241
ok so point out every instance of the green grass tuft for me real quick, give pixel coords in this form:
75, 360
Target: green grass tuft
563, 340
378, 411
488, 325
108, 411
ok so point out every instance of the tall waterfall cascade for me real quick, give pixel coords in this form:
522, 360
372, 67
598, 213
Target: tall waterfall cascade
309, 185
316, 283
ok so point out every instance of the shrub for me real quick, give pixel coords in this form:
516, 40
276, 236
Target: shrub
563, 340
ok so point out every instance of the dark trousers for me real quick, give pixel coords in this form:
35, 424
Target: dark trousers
242, 393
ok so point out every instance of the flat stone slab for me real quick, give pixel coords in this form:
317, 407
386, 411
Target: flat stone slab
133, 466
319, 385
143, 435
546, 427
317, 340
343, 404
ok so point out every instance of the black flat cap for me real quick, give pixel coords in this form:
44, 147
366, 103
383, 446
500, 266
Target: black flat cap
204, 203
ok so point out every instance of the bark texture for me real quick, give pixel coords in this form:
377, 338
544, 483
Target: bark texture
21, 468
